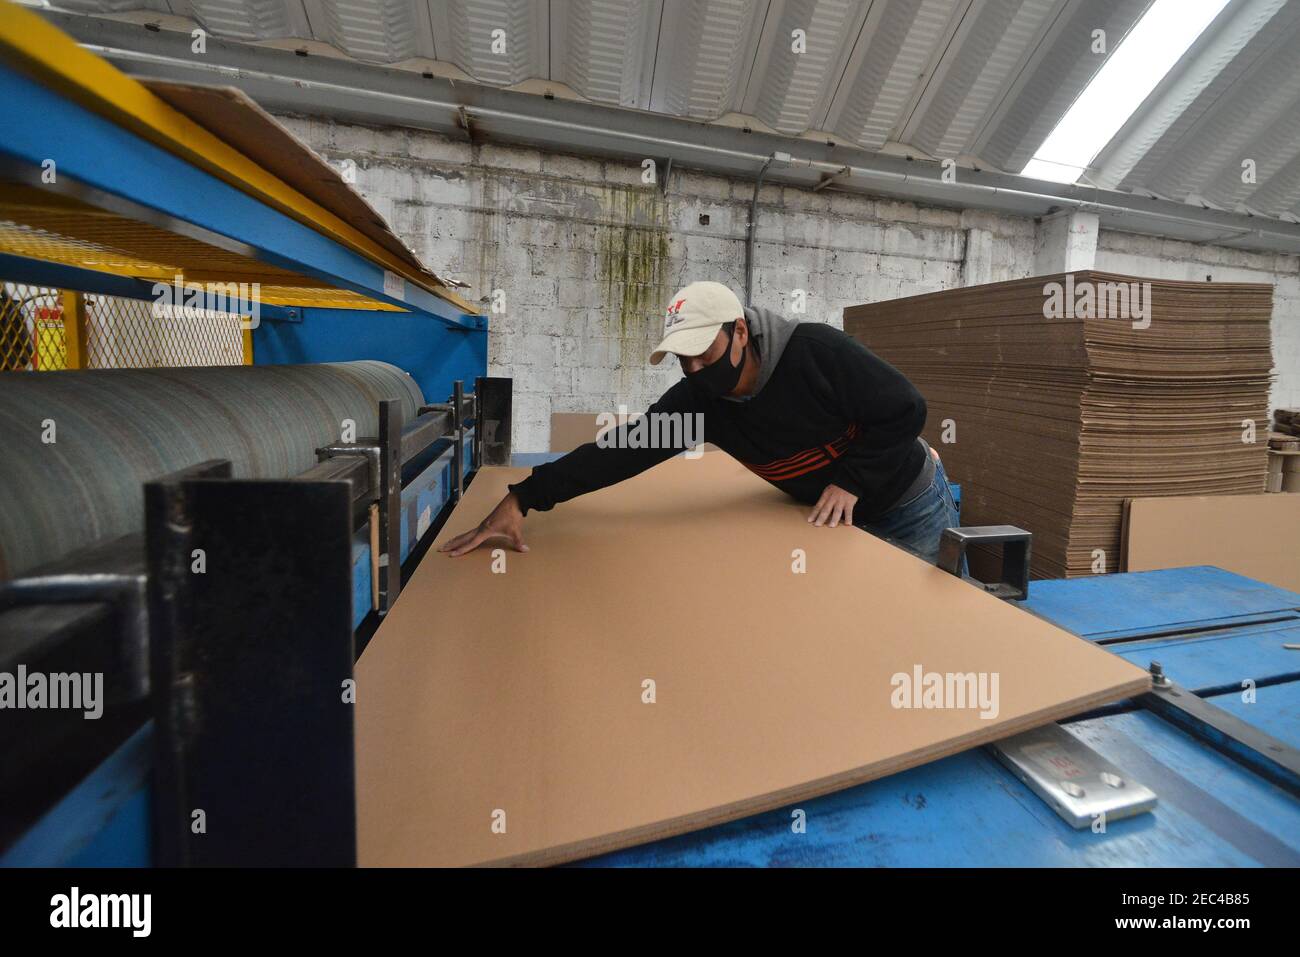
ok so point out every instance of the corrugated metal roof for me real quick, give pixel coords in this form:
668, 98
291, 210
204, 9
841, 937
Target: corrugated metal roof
981, 81
1234, 97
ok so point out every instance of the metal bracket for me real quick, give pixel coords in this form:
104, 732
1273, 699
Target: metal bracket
1073, 779
831, 179
455, 405
1262, 753
385, 458
458, 437
370, 452
476, 447
126, 593
1013, 583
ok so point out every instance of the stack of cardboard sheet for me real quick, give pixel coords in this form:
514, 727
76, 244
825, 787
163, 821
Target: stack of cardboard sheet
1054, 399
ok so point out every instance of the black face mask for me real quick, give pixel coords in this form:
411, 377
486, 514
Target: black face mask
720, 377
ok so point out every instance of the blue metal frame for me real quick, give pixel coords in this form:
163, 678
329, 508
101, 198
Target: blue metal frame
95, 152
434, 354
38, 272
434, 341
105, 820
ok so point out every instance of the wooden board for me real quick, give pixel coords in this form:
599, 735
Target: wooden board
522, 692
1253, 535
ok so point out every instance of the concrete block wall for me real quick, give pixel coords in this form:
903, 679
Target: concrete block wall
584, 254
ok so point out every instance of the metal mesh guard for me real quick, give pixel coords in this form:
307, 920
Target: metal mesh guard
37, 323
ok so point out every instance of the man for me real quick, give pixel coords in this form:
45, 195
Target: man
801, 405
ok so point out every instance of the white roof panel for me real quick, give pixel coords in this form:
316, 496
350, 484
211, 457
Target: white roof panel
987, 80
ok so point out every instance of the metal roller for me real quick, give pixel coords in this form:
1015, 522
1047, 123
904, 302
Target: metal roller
114, 430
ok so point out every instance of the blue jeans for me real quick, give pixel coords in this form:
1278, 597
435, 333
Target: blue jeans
917, 524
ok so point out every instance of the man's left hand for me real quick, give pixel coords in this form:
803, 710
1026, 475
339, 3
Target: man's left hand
835, 506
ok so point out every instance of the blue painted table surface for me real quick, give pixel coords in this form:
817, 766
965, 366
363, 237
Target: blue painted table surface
1105, 607
968, 810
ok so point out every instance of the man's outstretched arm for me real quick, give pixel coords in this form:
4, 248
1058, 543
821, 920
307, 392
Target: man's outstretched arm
586, 469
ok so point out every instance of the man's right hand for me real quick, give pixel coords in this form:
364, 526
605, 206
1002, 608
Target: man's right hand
506, 521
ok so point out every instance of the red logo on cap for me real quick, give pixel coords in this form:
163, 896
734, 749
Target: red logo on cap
673, 314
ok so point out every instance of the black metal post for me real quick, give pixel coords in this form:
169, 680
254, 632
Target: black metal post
251, 646
493, 395
458, 437
390, 503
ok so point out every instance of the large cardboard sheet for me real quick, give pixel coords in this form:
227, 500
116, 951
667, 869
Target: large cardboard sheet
571, 429
520, 698
1253, 535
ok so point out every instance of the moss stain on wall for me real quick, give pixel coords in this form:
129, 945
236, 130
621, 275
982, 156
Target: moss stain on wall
632, 263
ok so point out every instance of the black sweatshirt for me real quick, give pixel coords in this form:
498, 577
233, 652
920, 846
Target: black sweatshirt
832, 412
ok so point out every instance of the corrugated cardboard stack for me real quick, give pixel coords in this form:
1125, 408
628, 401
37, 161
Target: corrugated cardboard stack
1054, 399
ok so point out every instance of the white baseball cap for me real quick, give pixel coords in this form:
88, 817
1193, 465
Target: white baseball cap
694, 316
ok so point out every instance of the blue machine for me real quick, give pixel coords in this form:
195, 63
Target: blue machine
433, 340
62, 152
1210, 630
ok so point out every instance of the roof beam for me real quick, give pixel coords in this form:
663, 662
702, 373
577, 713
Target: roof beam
354, 92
